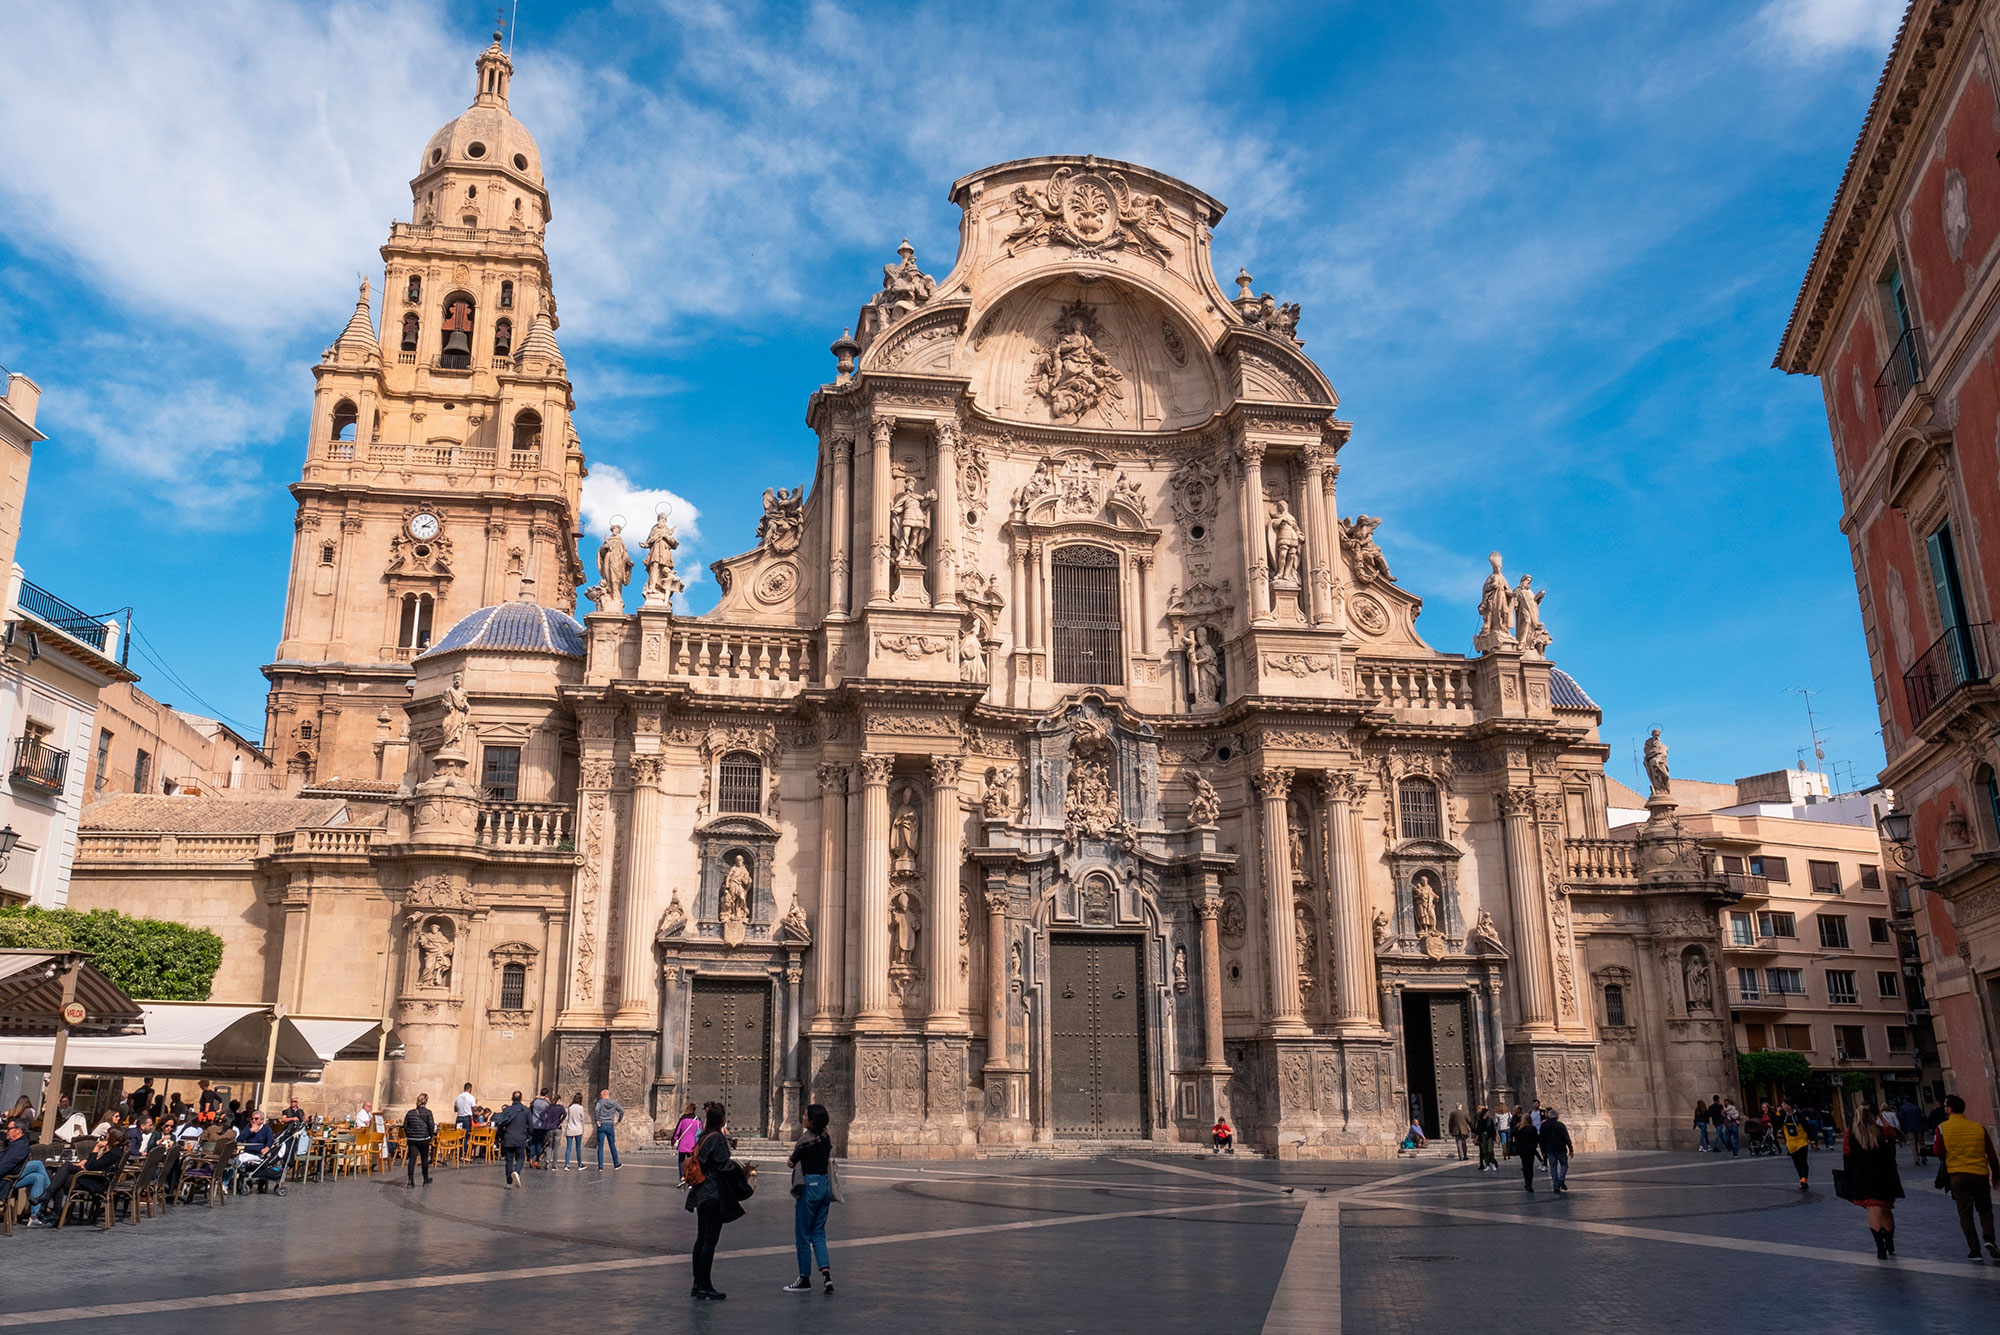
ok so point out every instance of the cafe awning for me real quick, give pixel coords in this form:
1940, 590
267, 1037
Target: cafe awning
339, 1038
186, 1038
31, 986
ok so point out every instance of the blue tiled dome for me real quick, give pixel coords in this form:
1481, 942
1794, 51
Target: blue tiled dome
524, 628
1564, 693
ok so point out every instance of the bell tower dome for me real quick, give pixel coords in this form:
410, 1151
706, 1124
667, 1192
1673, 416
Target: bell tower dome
442, 473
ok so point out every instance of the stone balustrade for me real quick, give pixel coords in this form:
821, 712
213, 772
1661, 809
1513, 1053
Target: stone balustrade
327, 840
526, 826
1414, 683
1601, 860
123, 846
742, 654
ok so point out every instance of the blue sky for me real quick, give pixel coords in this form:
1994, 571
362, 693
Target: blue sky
1545, 251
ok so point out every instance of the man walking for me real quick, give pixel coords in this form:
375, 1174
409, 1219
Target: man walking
1910, 1122
462, 1107
1555, 1146
512, 1124
1460, 1127
1966, 1147
609, 1113
420, 1133
1524, 1140
1489, 1131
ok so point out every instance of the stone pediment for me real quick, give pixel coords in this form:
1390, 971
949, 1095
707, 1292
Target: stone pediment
1425, 850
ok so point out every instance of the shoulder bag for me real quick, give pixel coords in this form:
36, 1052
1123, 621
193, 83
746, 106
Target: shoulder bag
691, 1171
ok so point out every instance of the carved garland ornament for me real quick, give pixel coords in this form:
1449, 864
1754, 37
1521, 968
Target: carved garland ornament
1094, 212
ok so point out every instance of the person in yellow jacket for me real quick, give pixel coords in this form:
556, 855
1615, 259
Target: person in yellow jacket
1965, 1149
1798, 1140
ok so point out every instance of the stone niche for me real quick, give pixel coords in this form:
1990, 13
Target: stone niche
1435, 862
719, 843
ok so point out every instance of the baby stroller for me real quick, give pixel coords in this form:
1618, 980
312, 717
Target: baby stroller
1758, 1138
268, 1173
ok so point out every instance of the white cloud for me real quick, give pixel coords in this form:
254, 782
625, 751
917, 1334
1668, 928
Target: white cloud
190, 449
1815, 29
611, 496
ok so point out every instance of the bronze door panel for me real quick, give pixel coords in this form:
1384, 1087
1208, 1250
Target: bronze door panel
1097, 1027
729, 1050
1451, 1053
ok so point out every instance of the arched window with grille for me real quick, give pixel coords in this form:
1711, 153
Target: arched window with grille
739, 784
1084, 616
513, 987
1418, 801
1614, 1005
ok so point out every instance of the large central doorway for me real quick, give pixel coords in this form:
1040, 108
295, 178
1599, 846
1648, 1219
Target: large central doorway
1437, 1053
729, 1049
1097, 1028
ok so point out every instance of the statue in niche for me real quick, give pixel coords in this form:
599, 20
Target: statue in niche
1529, 632
904, 827
1071, 374
661, 544
457, 715
1295, 843
1281, 538
1204, 676
1381, 926
1496, 610
434, 952
1424, 899
614, 572
1000, 800
1656, 762
910, 522
971, 655
1357, 539
1180, 969
1205, 807
737, 883
1485, 932
1695, 975
906, 929
1235, 918
1302, 940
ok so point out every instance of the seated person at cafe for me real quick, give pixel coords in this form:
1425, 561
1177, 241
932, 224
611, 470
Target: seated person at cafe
293, 1113
252, 1144
104, 1162
18, 1167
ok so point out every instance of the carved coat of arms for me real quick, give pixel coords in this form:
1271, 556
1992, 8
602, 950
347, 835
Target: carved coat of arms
1092, 211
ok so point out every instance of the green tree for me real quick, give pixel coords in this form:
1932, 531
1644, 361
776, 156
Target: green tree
150, 959
1782, 1070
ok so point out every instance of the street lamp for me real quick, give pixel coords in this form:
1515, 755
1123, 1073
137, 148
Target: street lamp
8, 838
1894, 826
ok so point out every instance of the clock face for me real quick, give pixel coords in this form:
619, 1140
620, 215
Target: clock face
424, 526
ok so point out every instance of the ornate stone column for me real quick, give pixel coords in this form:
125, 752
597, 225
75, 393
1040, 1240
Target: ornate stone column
1524, 902
829, 930
879, 432
790, 1114
1256, 564
874, 924
1142, 603
947, 1008
1287, 1013
1319, 567
947, 515
1330, 541
1209, 907
997, 1037
1353, 933
840, 527
635, 974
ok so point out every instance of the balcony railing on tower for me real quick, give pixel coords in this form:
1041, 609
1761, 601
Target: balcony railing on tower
1960, 657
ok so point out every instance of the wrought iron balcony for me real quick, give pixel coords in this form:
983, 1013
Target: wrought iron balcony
72, 621
1903, 372
1959, 658
39, 766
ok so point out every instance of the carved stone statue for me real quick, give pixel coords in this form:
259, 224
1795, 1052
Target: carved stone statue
1656, 762
1381, 926
971, 655
904, 828
1357, 540
793, 928
1180, 968
1295, 845
661, 543
1425, 900
674, 921
1204, 681
906, 929
1700, 990
1204, 808
457, 715
1000, 801
910, 522
737, 882
904, 286
1528, 629
1071, 374
784, 520
1485, 932
1124, 493
1302, 943
1281, 538
1496, 610
614, 572
434, 952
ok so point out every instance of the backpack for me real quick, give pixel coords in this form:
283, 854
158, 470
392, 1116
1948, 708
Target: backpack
691, 1174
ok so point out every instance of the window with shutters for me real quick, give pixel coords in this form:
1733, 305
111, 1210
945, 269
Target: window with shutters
1770, 868
1418, 799
1084, 616
739, 784
1871, 876
513, 986
1825, 877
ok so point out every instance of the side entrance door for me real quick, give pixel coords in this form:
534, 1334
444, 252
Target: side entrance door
729, 1050
1097, 1028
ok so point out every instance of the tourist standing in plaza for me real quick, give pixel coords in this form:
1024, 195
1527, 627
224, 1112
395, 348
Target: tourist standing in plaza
1554, 1142
609, 1114
1797, 1131
1972, 1168
1701, 1126
686, 1132
1459, 1124
576, 1121
1489, 1131
1732, 1127
1870, 1179
462, 1107
420, 1136
512, 1124
813, 1185
1524, 1140
717, 1185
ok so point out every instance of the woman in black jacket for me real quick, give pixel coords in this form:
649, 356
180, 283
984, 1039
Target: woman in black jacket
1872, 1181
716, 1201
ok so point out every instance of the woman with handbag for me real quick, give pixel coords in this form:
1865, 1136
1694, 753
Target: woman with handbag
1868, 1177
686, 1132
813, 1184
717, 1186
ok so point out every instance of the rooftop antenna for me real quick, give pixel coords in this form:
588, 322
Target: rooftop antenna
1812, 724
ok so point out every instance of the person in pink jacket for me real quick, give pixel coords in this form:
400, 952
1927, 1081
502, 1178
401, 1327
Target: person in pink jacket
687, 1133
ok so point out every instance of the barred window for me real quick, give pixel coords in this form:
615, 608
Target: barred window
740, 784
1614, 1005
1085, 616
1418, 800
513, 986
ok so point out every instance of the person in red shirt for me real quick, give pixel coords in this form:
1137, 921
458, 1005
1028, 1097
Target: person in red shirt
1224, 1138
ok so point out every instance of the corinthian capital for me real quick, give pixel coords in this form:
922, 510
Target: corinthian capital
1522, 801
944, 771
1273, 783
879, 429
833, 778
646, 770
876, 768
947, 435
1250, 454
1345, 786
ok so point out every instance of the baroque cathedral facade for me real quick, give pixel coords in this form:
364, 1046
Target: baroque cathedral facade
1058, 765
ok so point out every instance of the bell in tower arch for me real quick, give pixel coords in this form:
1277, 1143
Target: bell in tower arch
457, 346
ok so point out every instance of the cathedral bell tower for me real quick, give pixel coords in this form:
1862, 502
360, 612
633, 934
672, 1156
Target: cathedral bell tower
442, 472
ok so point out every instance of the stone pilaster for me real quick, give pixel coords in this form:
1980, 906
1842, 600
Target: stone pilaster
1319, 541
1256, 564
829, 930
1530, 921
1287, 1011
635, 990
948, 517
947, 1005
879, 432
1353, 933
840, 528
874, 925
